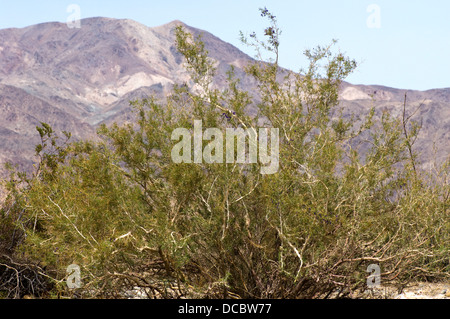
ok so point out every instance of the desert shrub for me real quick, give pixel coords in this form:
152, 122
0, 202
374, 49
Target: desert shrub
131, 217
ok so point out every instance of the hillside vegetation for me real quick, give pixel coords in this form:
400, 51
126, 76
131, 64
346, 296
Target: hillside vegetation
131, 218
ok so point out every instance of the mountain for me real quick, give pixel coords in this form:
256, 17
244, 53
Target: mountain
431, 108
75, 79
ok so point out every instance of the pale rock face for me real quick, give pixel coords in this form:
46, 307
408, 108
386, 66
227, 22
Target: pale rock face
141, 79
352, 94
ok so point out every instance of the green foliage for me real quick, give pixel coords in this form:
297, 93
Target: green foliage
130, 216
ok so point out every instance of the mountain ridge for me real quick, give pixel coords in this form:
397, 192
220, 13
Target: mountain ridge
82, 77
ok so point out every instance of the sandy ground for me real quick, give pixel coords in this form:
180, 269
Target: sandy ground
413, 291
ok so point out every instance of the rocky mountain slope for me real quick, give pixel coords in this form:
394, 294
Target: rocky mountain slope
75, 79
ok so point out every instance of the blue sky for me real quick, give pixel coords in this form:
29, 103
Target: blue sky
399, 43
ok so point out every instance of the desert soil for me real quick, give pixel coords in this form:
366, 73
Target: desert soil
413, 291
